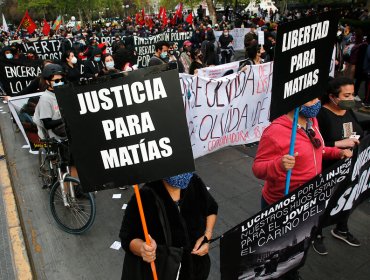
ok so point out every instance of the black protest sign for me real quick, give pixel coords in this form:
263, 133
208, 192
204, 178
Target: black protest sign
302, 60
47, 49
350, 193
276, 239
16, 74
127, 130
144, 46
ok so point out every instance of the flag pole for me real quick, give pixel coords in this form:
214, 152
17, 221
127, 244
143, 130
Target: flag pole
291, 148
21, 22
145, 229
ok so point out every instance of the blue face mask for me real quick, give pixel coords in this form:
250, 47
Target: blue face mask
61, 83
310, 111
163, 54
180, 181
9, 56
97, 58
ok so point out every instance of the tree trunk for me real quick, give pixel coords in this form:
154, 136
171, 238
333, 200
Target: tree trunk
212, 11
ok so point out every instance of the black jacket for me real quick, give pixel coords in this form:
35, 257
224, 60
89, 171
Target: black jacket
195, 205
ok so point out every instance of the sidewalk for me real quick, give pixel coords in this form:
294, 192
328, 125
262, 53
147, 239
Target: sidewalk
14, 262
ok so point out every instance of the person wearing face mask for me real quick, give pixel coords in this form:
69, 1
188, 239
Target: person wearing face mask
109, 68
340, 128
71, 66
160, 56
226, 42
191, 213
272, 160
94, 66
47, 116
7, 53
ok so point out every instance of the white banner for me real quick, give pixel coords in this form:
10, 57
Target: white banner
23, 119
230, 110
238, 35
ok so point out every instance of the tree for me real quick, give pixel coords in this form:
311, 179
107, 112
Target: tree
212, 10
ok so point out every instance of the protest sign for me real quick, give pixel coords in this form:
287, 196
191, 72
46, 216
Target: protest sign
16, 74
350, 193
302, 59
238, 36
22, 109
230, 110
127, 130
275, 240
47, 49
144, 46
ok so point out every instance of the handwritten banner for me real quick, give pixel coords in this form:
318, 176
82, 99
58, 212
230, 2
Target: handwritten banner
238, 35
16, 74
230, 110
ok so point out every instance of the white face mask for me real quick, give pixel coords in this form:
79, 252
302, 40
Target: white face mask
339, 33
74, 60
9, 55
109, 64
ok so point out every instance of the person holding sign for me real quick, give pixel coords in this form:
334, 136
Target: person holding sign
190, 214
272, 160
340, 128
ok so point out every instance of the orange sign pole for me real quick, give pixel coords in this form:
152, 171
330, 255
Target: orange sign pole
145, 229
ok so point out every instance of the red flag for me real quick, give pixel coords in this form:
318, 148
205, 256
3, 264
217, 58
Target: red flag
189, 18
164, 18
160, 12
143, 13
46, 28
139, 19
28, 23
179, 10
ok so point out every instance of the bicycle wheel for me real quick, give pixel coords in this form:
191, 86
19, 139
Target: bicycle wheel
79, 216
46, 171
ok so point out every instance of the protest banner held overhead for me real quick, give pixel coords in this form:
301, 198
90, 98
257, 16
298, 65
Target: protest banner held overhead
303, 53
127, 130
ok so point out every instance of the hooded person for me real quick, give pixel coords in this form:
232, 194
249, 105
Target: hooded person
94, 65
191, 213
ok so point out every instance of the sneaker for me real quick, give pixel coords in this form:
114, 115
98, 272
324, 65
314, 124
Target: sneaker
357, 98
319, 246
346, 237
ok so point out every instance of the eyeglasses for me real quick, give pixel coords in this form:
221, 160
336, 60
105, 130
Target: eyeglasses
58, 80
311, 135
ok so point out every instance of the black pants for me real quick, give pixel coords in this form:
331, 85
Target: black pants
225, 57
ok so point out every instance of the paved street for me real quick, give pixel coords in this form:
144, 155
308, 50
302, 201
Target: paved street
58, 255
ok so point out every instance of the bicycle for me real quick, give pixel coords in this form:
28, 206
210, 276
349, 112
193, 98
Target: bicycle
73, 210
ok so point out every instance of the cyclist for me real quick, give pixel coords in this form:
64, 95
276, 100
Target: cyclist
47, 115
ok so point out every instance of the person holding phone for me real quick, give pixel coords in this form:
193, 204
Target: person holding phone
339, 128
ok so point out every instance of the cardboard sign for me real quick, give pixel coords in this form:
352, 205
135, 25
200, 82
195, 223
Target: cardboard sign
302, 60
127, 130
